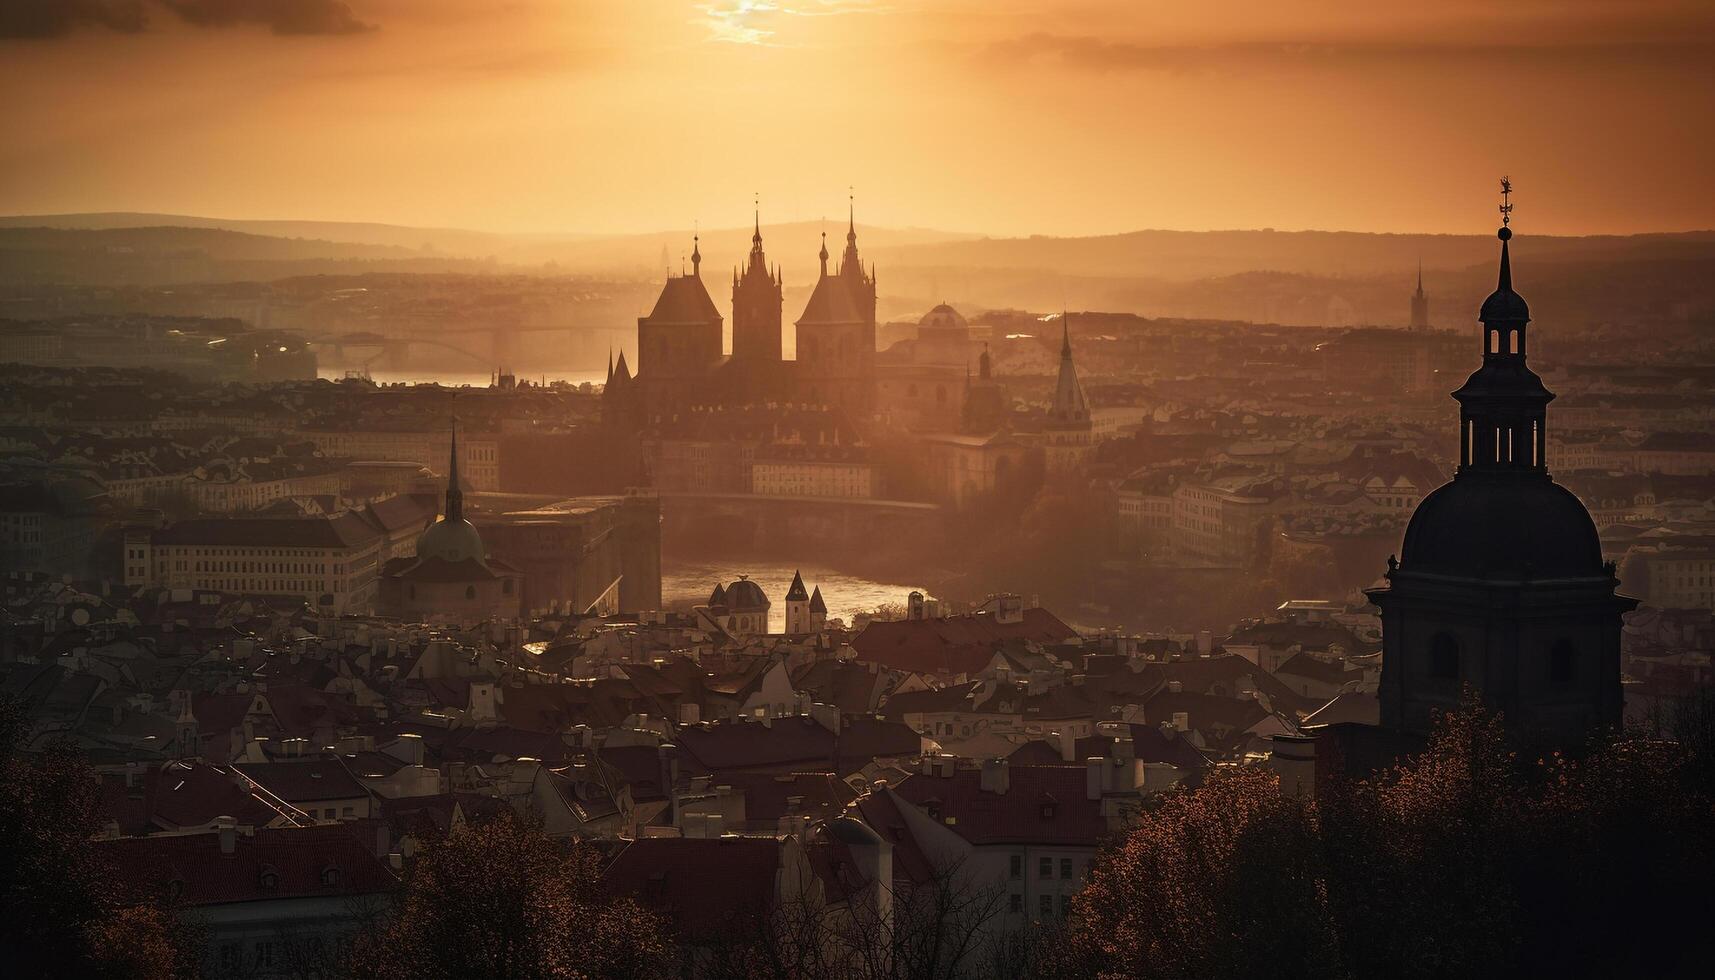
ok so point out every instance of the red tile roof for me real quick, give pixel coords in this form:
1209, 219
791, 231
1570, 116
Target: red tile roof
299, 858
305, 780
785, 744
953, 644
1042, 805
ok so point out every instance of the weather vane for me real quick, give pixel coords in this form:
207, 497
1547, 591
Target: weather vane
1506, 201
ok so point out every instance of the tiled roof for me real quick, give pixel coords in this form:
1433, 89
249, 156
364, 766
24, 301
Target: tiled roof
953, 644
704, 886
1042, 805
785, 743
344, 532
1149, 744
304, 862
183, 794
305, 780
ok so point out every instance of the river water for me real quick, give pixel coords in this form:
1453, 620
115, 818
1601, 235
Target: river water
456, 379
685, 582
689, 582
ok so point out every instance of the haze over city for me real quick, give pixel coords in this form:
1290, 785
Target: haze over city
589, 116
856, 489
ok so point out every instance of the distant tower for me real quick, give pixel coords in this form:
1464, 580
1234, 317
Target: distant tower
1419, 304
679, 342
1070, 431
798, 607
757, 299
1500, 582
818, 611
987, 406
836, 333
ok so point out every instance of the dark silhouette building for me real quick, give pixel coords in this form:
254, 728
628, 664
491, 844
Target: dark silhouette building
836, 334
1419, 304
757, 301
1501, 583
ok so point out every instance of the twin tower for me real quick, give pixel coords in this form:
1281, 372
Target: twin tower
680, 360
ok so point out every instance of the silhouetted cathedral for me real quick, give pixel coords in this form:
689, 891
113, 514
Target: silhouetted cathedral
1501, 583
680, 363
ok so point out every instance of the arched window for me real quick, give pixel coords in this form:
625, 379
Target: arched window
1562, 662
1512, 340
1444, 657
1494, 341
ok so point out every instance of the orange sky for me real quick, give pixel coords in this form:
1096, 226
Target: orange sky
1053, 117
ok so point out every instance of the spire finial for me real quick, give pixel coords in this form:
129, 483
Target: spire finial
756, 236
1505, 234
851, 214
696, 251
1065, 333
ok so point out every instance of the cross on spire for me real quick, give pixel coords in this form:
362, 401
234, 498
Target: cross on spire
1506, 201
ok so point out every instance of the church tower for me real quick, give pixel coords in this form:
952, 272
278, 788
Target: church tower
1069, 430
1419, 304
1501, 584
836, 333
679, 342
757, 299
798, 607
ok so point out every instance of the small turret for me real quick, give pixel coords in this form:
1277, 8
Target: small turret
798, 607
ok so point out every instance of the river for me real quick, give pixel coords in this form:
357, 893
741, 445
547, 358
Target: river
687, 582
458, 379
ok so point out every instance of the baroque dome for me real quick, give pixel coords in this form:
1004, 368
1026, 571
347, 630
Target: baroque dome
745, 595
1481, 525
943, 317
451, 539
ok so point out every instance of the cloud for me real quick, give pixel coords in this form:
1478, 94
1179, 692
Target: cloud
753, 21
283, 17
57, 18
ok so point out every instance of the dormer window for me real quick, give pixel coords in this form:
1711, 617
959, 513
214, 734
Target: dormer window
330, 876
269, 880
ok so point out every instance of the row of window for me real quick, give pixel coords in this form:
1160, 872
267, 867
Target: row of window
1044, 867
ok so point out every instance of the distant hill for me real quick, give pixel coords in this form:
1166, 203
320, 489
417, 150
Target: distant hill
1309, 277
453, 241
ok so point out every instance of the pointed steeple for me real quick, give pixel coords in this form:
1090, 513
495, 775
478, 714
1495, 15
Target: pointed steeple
455, 496
797, 592
1070, 405
610, 364
696, 256
850, 265
1503, 406
817, 604
823, 254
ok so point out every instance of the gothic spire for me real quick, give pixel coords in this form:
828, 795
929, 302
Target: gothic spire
696, 255
455, 496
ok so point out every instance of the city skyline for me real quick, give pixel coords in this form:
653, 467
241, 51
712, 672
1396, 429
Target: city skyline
993, 119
